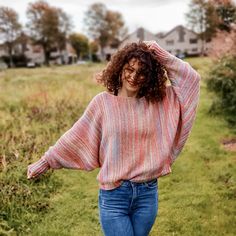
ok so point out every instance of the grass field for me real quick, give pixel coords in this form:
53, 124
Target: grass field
38, 105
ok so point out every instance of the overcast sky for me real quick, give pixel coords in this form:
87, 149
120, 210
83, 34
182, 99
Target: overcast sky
154, 15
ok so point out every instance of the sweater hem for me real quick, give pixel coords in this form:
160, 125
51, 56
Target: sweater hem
109, 186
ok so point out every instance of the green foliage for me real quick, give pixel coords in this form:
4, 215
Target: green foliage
227, 14
23, 201
81, 44
222, 81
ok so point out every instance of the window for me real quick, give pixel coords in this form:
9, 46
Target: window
169, 42
192, 41
194, 50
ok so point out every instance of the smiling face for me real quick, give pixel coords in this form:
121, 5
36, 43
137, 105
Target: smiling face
130, 73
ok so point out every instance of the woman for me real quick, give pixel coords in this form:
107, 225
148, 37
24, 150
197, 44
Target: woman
133, 132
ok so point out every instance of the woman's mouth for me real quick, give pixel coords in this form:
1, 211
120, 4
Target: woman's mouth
131, 83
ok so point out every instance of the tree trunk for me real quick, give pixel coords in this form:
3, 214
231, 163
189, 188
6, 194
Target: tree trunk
11, 64
102, 53
203, 47
46, 56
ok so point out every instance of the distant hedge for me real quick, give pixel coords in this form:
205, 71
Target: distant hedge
18, 60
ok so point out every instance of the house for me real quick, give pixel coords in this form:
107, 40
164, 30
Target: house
65, 56
24, 46
107, 51
181, 40
140, 34
178, 40
34, 52
3, 50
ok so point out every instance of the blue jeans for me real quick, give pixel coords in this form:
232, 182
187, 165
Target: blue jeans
130, 209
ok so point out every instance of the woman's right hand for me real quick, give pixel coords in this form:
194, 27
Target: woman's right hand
36, 169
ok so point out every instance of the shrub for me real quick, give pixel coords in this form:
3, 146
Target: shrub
222, 81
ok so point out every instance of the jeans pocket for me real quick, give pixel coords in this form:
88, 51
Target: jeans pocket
111, 191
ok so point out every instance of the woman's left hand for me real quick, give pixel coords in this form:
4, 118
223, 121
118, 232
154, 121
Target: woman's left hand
149, 43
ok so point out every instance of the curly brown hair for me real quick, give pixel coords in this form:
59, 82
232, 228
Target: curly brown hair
154, 85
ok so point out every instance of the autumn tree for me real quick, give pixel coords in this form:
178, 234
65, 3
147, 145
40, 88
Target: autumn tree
80, 43
224, 41
116, 26
64, 28
49, 26
104, 26
10, 29
226, 13
206, 17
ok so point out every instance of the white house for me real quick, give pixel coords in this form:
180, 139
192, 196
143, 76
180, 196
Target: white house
3, 50
177, 41
34, 52
140, 34
181, 40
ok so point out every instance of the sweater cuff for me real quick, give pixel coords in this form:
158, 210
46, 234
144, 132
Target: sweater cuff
163, 56
37, 168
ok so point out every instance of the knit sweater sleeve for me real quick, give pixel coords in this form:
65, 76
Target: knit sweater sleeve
77, 148
185, 83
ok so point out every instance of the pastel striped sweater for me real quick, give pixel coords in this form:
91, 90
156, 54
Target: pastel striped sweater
127, 137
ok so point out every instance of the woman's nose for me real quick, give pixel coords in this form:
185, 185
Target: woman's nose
132, 75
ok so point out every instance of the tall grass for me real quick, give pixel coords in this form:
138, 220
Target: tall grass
39, 105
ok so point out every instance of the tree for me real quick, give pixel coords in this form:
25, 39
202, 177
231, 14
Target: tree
198, 19
80, 43
222, 81
226, 12
116, 26
64, 27
227, 39
207, 17
222, 76
10, 29
103, 25
93, 48
48, 26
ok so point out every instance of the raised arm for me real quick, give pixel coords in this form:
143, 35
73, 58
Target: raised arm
184, 79
78, 148
185, 86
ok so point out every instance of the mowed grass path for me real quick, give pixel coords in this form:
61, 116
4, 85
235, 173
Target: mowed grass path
197, 198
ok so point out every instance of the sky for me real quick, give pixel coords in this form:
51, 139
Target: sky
154, 15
